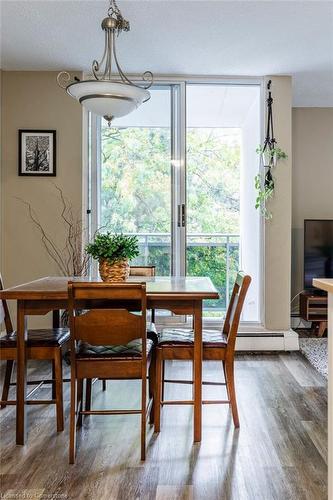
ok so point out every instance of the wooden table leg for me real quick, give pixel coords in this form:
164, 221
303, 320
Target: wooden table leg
55, 324
197, 369
21, 381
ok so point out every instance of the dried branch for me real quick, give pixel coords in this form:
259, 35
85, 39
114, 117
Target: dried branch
72, 260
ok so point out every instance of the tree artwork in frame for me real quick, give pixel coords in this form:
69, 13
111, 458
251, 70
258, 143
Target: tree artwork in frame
37, 152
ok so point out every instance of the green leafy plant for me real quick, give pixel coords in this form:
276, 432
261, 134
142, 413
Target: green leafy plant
264, 182
264, 193
271, 155
113, 247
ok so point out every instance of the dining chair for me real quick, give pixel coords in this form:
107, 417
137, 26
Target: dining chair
146, 271
42, 344
108, 340
178, 344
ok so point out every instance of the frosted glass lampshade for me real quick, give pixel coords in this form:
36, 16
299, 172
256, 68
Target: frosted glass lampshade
108, 99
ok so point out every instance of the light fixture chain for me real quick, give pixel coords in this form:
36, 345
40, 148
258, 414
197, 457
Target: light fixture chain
113, 9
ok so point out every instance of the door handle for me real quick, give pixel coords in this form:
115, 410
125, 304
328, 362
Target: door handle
178, 215
183, 215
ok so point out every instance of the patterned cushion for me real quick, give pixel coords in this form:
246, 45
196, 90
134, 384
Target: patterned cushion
185, 336
50, 337
131, 350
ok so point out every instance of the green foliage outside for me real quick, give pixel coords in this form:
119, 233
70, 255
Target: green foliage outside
136, 197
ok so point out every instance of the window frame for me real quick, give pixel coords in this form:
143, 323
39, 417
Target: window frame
91, 169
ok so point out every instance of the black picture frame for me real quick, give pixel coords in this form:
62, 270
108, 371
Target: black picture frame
45, 164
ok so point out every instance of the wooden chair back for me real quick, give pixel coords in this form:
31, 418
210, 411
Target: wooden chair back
114, 313
231, 322
146, 271
4, 312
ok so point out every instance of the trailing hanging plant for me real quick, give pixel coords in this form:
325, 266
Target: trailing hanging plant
265, 189
270, 155
264, 182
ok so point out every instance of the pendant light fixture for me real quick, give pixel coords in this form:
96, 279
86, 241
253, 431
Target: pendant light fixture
107, 95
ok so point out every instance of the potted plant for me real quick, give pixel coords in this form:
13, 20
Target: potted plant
113, 251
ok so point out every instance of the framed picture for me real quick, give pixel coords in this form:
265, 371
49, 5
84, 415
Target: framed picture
37, 152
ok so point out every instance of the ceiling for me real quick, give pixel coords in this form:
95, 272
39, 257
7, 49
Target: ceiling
250, 38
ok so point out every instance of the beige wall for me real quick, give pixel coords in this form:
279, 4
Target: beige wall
1, 197
277, 247
312, 177
32, 100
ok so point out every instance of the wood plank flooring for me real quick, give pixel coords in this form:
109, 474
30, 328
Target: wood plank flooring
278, 453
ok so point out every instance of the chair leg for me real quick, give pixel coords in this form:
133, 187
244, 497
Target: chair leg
72, 421
229, 370
143, 415
57, 363
157, 398
6, 383
88, 394
152, 378
54, 390
225, 378
79, 401
163, 376
104, 384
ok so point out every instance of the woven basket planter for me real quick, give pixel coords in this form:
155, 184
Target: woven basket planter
118, 271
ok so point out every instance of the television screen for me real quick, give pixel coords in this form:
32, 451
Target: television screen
318, 250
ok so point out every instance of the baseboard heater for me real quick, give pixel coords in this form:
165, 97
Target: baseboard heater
260, 334
267, 341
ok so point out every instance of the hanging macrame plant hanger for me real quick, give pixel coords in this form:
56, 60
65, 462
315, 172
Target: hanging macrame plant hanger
270, 155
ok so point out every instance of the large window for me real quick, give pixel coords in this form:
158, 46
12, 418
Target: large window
178, 172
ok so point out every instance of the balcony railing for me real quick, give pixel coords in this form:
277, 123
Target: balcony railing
215, 255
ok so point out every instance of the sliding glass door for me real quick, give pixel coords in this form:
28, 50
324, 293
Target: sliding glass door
178, 172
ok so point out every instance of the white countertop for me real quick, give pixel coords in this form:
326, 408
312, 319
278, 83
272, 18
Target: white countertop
324, 284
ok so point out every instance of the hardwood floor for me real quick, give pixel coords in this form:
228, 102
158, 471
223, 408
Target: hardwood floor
279, 452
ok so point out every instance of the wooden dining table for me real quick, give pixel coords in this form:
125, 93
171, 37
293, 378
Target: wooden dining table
180, 295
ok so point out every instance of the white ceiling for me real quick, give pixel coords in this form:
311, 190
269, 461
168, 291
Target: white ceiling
252, 38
